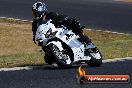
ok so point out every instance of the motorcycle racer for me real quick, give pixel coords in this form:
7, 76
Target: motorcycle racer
41, 15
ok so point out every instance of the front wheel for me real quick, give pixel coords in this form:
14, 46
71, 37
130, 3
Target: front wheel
48, 59
62, 58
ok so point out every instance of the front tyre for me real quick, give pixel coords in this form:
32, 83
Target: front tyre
62, 58
48, 59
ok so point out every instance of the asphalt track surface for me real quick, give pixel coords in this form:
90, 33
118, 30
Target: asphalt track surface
97, 14
53, 77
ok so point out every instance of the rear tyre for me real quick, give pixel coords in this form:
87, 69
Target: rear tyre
96, 59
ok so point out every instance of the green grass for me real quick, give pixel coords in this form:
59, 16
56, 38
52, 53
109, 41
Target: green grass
11, 20
22, 59
18, 49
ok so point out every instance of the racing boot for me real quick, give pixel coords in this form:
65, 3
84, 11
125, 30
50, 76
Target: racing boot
85, 39
87, 42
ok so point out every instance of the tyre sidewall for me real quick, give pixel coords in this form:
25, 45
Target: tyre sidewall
93, 62
60, 63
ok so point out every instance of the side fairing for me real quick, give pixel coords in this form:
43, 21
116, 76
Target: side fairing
71, 40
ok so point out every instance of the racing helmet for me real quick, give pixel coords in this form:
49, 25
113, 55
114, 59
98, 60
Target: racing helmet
39, 10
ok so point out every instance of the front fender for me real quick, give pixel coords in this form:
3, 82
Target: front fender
57, 43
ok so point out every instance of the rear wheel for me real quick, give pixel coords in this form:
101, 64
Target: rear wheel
96, 59
62, 58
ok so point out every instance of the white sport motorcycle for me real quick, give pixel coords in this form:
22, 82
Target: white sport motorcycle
65, 48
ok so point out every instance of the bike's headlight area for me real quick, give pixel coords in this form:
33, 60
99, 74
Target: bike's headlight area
49, 34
